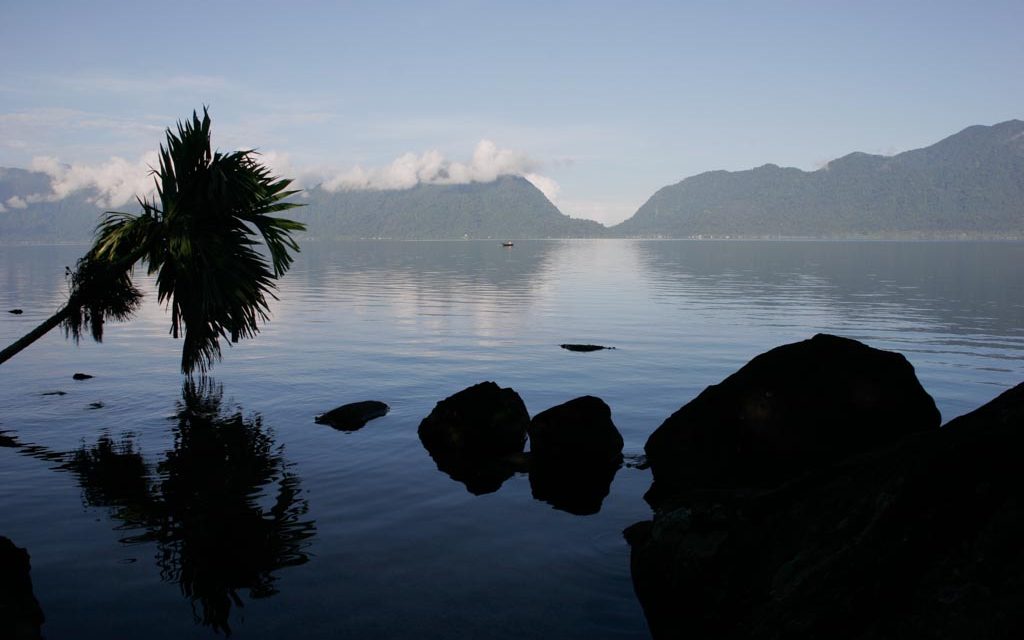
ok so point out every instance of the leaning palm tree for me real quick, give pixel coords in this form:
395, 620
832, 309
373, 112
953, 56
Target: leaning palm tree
201, 235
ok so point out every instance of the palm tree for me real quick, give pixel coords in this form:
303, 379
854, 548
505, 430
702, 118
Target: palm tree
201, 235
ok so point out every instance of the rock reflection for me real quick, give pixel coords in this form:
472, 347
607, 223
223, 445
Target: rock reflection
578, 489
21, 617
223, 506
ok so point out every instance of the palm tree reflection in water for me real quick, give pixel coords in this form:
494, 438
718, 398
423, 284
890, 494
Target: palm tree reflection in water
223, 508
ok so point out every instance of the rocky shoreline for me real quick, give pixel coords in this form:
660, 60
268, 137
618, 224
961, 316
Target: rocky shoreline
813, 494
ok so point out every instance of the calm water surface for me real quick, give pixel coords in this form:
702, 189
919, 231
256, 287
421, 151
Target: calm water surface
155, 510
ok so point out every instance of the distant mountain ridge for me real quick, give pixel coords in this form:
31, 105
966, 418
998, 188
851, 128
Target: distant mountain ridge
969, 184
508, 208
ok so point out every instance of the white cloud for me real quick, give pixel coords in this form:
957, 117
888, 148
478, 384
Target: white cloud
15, 202
116, 181
546, 185
487, 164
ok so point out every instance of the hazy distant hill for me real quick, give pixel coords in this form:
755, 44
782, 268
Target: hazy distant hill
71, 219
971, 183
510, 207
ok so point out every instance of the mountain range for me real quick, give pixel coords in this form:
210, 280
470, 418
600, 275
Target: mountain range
970, 184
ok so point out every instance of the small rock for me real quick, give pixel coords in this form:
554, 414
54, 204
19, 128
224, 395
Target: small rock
584, 347
484, 419
580, 431
477, 436
16, 312
81, 376
96, 405
575, 453
353, 416
54, 393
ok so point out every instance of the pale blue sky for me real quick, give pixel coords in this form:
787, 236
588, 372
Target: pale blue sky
610, 100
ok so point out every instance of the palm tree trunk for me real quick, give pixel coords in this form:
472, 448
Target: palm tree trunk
35, 334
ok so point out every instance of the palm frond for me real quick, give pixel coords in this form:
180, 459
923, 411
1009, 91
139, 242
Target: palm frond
100, 291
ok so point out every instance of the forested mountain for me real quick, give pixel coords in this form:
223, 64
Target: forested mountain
508, 208
969, 184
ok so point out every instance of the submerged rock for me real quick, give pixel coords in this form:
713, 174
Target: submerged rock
353, 416
793, 408
575, 453
476, 435
583, 347
81, 376
21, 617
915, 536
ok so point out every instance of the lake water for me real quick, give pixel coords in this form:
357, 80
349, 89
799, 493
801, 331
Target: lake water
151, 510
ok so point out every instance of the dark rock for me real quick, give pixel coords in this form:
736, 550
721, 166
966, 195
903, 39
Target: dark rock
580, 430
96, 405
575, 452
583, 347
918, 538
21, 617
793, 408
475, 435
16, 312
483, 419
81, 376
54, 393
353, 416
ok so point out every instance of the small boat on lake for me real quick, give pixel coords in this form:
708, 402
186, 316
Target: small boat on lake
507, 243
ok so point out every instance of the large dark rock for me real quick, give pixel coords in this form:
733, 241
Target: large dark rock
353, 416
477, 435
575, 451
918, 538
20, 614
793, 408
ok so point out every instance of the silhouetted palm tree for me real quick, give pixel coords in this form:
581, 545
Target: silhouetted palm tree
201, 236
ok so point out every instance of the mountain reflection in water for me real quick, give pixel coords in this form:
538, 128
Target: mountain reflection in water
222, 507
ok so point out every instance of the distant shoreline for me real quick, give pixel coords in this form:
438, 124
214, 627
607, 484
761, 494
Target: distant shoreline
707, 238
